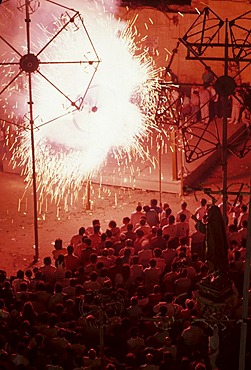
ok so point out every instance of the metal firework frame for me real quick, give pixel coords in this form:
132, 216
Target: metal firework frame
207, 28
29, 63
198, 38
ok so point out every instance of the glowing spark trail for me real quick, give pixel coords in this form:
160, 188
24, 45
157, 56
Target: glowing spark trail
117, 113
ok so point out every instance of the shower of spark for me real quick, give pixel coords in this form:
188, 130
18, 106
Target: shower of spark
118, 108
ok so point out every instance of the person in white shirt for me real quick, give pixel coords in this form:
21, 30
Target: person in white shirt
185, 211
137, 215
204, 96
201, 211
237, 102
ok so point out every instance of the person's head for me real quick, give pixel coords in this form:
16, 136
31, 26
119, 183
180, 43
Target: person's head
112, 224
81, 230
47, 261
203, 202
244, 208
168, 212
96, 229
159, 232
139, 233
168, 298
93, 276
20, 274
58, 244
139, 208
108, 233
70, 249
142, 221
60, 260
237, 255
88, 242
244, 224
58, 288
28, 273
92, 354
182, 217
175, 266
95, 222
103, 237
129, 243
146, 209
157, 252
126, 220
183, 205
93, 258
129, 226
171, 219
154, 202
104, 272
135, 260
152, 263
168, 341
183, 241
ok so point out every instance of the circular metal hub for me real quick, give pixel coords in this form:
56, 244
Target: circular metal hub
225, 85
29, 63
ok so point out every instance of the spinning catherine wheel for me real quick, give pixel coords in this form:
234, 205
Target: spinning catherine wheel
86, 85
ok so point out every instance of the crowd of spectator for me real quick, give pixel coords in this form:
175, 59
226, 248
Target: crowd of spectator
203, 102
122, 297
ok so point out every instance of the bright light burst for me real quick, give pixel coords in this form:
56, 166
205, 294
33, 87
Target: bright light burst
118, 107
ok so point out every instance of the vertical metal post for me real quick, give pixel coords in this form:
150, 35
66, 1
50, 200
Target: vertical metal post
243, 337
88, 195
28, 20
174, 155
181, 166
160, 170
224, 133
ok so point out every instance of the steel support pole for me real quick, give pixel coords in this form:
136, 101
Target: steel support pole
34, 185
160, 170
224, 133
244, 324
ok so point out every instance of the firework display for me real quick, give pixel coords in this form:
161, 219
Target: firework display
94, 93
